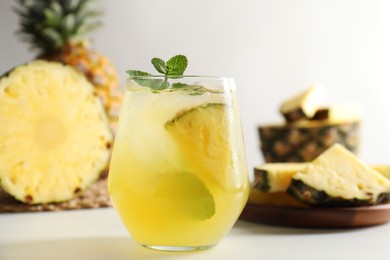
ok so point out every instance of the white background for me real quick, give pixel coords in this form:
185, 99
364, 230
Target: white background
273, 48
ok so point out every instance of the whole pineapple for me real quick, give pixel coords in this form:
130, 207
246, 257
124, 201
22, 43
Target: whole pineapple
57, 29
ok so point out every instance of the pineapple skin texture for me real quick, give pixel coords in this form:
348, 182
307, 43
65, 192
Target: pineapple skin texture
311, 196
57, 137
304, 142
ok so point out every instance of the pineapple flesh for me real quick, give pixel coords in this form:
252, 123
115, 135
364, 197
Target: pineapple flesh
339, 178
339, 113
383, 169
55, 139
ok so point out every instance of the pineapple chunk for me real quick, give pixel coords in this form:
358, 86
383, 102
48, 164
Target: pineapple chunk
276, 177
304, 105
339, 113
55, 138
338, 178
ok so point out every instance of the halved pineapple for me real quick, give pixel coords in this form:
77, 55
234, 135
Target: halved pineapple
54, 134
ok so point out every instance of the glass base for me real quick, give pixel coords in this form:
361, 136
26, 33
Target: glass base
177, 248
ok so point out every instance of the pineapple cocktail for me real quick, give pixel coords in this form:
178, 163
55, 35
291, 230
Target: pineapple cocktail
178, 176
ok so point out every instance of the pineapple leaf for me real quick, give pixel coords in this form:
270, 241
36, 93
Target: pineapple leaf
86, 28
52, 19
53, 36
71, 4
68, 24
70, 19
57, 9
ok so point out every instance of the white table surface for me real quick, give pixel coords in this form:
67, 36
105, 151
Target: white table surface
99, 234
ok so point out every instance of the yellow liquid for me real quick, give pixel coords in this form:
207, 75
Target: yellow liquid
146, 156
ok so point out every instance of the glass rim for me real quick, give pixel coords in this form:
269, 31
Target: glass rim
173, 77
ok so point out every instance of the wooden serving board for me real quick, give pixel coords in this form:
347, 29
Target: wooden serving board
352, 217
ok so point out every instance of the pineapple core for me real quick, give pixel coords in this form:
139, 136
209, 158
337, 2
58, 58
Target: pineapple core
50, 132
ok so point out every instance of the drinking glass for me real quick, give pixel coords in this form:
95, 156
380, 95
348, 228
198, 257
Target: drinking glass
178, 176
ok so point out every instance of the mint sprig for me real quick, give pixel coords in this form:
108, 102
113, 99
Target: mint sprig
173, 68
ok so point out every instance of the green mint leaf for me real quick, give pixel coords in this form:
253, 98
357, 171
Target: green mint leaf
196, 90
154, 84
157, 84
136, 73
176, 65
160, 65
179, 85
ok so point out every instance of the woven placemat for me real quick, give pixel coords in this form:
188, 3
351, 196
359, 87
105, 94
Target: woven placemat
96, 196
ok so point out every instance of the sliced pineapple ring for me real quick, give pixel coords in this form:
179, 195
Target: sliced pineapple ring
54, 134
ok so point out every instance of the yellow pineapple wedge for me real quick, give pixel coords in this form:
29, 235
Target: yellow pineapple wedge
337, 178
55, 137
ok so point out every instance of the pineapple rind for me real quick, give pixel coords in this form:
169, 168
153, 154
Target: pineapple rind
338, 178
305, 140
314, 197
57, 138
